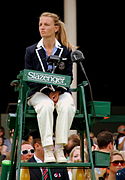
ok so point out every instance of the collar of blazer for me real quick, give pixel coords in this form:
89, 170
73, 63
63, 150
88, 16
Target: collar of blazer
57, 45
40, 43
41, 46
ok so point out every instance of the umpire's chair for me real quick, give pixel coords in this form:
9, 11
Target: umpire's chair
84, 119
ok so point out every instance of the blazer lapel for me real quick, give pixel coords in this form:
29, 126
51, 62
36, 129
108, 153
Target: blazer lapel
40, 52
59, 52
35, 171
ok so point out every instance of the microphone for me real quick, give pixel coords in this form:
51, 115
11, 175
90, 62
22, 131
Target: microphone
77, 56
55, 59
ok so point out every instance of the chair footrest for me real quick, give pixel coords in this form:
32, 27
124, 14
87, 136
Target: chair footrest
51, 165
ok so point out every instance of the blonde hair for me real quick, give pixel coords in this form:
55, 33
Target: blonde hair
86, 158
114, 153
61, 35
73, 150
86, 172
123, 154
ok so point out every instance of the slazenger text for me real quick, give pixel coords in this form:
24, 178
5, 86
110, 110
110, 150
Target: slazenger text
46, 78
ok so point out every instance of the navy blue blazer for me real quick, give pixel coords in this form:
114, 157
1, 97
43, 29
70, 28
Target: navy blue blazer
32, 55
120, 175
57, 173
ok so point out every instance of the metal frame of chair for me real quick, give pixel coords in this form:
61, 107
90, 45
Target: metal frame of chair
82, 122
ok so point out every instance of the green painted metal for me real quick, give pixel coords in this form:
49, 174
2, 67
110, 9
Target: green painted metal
101, 158
6, 164
83, 103
82, 122
44, 77
100, 108
51, 165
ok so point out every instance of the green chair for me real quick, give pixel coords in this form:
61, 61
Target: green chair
83, 122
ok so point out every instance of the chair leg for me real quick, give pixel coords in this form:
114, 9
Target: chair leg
82, 145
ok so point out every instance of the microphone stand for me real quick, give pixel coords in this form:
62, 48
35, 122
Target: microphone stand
90, 88
84, 72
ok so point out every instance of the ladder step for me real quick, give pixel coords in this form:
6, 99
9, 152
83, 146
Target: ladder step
51, 165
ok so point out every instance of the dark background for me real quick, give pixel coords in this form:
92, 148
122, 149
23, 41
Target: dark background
100, 36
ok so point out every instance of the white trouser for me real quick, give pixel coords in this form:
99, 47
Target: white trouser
44, 108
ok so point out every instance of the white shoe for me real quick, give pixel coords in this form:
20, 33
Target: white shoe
49, 155
59, 154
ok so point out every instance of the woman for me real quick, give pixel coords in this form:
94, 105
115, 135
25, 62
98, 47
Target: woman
46, 98
76, 173
116, 163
